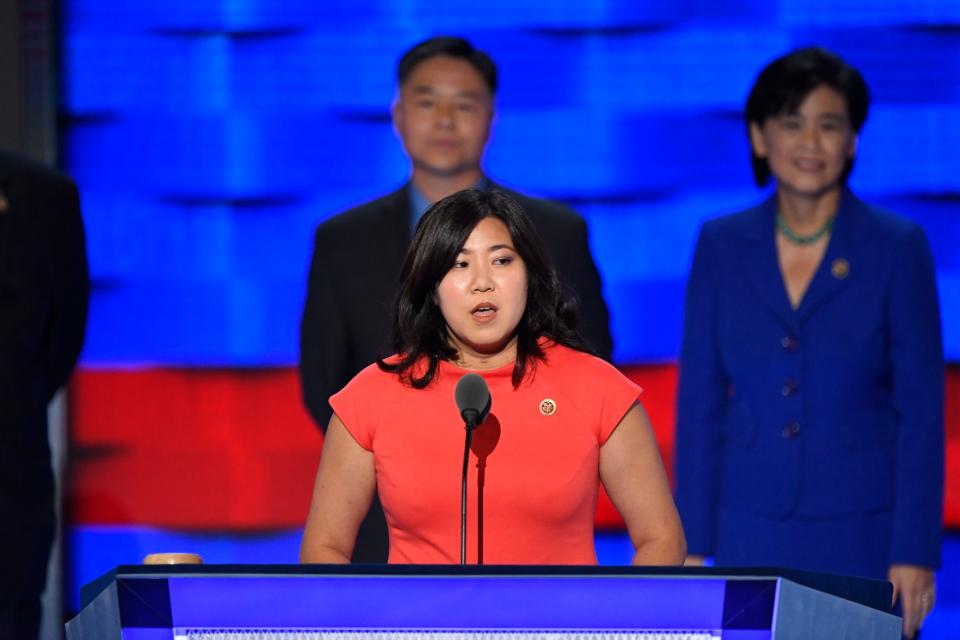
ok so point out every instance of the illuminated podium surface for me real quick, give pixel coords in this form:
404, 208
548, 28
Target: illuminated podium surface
319, 602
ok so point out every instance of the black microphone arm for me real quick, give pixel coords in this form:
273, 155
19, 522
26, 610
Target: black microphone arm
473, 400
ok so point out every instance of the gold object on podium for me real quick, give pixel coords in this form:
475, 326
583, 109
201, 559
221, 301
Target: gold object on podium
173, 558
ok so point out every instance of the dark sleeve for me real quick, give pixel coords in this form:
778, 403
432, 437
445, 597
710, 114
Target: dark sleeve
70, 281
323, 339
701, 401
918, 382
579, 272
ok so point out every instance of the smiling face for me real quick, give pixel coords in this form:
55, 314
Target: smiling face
443, 115
483, 297
807, 151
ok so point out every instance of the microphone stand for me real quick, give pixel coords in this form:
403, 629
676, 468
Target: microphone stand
471, 419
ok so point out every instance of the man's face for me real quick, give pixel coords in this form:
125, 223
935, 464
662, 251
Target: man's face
443, 117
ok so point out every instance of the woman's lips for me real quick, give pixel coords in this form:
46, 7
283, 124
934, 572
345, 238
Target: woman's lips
484, 312
808, 165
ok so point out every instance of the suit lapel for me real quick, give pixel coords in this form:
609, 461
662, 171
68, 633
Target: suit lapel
394, 231
760, 264
840, 261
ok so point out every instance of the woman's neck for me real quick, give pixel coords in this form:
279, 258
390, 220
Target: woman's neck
806, 214
477, 360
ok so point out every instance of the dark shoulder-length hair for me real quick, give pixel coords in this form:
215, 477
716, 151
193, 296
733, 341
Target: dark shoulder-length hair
784, 84
419, 329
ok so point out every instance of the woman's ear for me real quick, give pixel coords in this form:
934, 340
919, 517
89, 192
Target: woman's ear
757, 143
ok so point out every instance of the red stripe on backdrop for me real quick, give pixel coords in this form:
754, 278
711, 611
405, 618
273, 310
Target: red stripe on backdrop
659, 384
191, 449
951, 510
234, 449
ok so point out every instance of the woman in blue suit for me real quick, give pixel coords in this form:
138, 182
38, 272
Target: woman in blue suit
810, 408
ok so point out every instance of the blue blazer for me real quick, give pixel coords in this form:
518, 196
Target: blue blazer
832, 408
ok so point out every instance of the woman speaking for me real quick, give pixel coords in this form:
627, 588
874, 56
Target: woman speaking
478, 294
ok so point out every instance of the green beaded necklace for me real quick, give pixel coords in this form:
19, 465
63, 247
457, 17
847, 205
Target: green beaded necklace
788, 233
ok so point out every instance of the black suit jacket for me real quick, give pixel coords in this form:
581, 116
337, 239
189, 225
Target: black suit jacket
353, 279
44, 287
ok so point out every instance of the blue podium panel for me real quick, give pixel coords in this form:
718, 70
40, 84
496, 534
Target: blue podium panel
447, 603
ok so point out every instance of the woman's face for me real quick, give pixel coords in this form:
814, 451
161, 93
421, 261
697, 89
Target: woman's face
807, 151
483, 296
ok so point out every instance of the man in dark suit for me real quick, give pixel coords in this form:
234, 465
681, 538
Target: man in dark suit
442, 114
44, 288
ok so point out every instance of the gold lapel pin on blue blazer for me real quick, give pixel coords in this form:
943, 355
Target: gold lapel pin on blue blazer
840, 268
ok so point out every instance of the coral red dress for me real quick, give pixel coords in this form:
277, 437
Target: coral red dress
534, 468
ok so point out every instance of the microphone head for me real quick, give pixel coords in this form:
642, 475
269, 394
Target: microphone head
473, 398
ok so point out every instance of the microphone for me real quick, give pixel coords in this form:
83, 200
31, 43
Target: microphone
473, 399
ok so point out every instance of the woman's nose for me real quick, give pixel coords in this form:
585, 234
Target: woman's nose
810, 137
482, 280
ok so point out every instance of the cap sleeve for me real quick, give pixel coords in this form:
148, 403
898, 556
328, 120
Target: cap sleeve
619, 393
351, 404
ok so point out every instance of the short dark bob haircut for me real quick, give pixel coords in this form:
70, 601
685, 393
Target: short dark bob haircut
452, 47
419, 329
786, 82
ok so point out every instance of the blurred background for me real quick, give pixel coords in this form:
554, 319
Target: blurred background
209, 137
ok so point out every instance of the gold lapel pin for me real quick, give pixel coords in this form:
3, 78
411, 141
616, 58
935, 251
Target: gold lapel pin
548, 407
840, 268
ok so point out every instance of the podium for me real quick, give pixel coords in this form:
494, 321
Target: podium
368, 602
